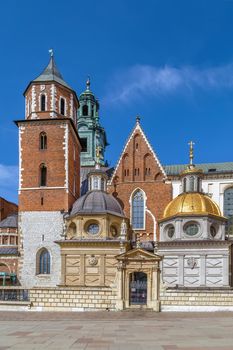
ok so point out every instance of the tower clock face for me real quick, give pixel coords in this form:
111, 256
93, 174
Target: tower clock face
93, 229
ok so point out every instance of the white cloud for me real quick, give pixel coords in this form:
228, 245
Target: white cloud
8, 182
144, 80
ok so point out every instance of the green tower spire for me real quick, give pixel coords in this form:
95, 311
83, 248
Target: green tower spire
91, 133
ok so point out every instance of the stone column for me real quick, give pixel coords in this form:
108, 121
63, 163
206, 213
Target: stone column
63, 269
225, 269
120, 287
82, 270
203, 270
155, 295
181, 270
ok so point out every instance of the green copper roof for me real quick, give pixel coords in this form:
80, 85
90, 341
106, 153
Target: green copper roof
51, 73
208, 168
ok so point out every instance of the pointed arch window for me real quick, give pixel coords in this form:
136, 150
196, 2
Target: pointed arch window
138, 210
42, 102
43, 140
85, 110
62, 106
44, 262
43, 175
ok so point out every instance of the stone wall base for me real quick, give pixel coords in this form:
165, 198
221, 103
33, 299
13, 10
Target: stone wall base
72, 299
197, 300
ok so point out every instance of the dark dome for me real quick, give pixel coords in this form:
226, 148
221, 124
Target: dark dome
97, 202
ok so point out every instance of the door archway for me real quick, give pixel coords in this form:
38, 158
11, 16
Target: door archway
138, 288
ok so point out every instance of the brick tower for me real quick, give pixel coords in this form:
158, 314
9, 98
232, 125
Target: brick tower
49, 168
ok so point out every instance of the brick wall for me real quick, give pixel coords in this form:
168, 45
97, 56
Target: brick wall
139, 168
6, 208
62, 143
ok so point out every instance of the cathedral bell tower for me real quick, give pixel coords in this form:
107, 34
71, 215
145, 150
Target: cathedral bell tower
49, 168
92, 134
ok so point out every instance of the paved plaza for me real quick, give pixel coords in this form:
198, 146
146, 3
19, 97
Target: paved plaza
116, 330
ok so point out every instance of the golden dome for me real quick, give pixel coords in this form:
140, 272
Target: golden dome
191, 204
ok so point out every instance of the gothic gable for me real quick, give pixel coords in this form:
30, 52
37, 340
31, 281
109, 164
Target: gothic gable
138, 161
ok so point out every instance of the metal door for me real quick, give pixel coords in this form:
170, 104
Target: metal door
138, 288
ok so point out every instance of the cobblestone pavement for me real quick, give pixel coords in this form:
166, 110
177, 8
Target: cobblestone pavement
116, 330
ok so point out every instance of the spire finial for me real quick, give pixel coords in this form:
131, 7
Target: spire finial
88, 83
191, 156
51, 52
138, 119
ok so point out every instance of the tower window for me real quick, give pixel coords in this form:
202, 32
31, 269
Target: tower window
43, 140
44, 262
84, 144
42, 102
62, 106
138, 209
43, 175
85, 110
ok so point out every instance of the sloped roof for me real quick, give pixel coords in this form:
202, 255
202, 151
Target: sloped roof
208, 168
51, 73
11, 221
97, 202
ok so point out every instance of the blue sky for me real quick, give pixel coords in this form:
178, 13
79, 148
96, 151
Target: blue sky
170, 61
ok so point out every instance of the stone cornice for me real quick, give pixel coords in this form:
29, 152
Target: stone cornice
192, 243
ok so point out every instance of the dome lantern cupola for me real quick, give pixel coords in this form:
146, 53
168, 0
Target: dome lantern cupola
191, 176
97, 178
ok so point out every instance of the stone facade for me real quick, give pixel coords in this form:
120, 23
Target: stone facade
196, 263
39, 230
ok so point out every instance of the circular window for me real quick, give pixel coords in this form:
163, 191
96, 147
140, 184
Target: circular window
191, 229
213, 231
170, 231
93, 229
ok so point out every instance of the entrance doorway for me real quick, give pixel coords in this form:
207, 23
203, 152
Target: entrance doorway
138, 288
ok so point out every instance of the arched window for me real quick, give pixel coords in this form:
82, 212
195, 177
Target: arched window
62, 106
228, 209
42, 102
184, 184
85, 110
191, 184
44, 262
43, 175
138, 210
43, 140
